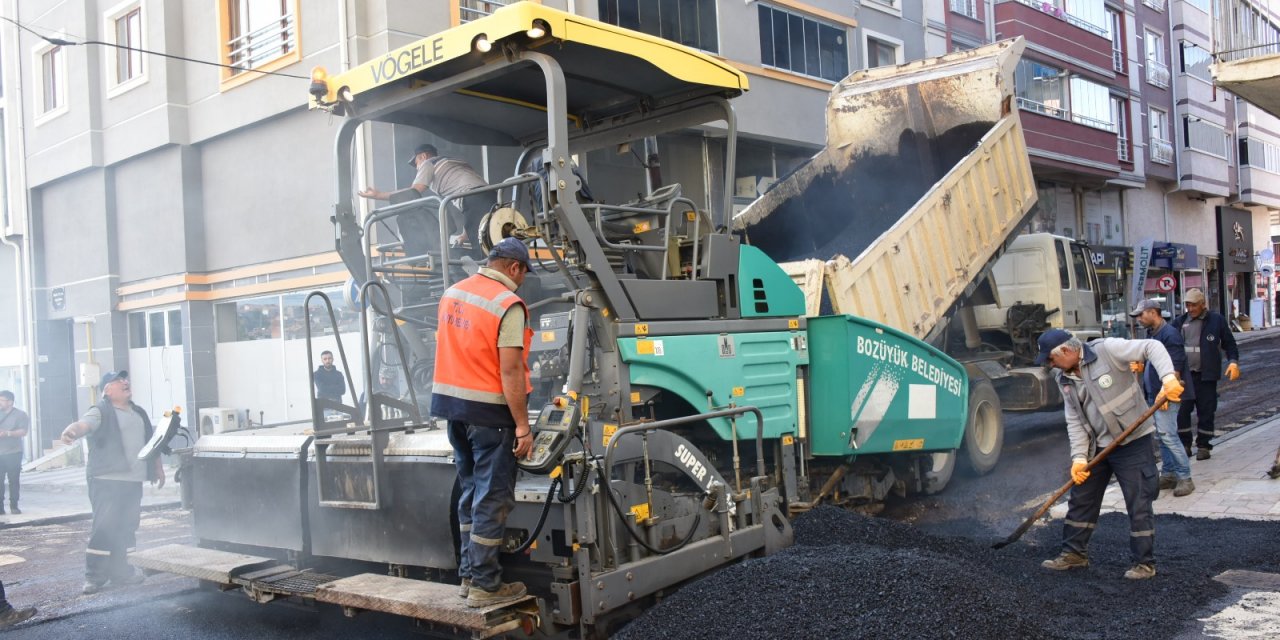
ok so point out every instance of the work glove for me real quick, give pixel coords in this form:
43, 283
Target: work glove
1137, 367
1233, 371
1172, 388
1078, 474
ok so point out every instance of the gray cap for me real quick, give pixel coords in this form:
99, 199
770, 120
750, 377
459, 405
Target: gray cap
1143, 306
112, 376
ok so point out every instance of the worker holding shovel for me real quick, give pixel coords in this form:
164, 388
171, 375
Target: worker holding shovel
1101, 397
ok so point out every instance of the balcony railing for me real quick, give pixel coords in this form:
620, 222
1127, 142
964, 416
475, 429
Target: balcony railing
1042, 109
1117, 60
1158, 74
1158, 5
1161, 151
267, 43
469, 10
1244, 29
1122, 149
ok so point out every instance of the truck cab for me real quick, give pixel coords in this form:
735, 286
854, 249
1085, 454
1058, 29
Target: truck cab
1041, 278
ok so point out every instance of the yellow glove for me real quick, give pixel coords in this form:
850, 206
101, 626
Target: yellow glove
1233, 371
1137, 367
1078, 474
1172, 388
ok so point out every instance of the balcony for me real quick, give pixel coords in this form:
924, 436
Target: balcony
1122, 150
1041, 23
1161, 151
1246, 38
1158, 73
1158, 5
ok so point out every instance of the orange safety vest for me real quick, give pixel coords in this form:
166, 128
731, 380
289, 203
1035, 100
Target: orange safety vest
468, 374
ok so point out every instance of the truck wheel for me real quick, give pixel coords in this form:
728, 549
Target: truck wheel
937, 470
984, 434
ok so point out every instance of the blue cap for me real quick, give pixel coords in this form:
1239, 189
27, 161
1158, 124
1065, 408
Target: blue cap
1050, 340
112, 376
513, 249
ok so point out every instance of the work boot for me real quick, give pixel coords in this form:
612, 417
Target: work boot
91, 587
1184, 488
15, 616
507, 592
1202, 454
1065, 561
1168, 482
464, 589
13, 508
1141, 572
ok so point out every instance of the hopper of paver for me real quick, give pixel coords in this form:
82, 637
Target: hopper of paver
923, 179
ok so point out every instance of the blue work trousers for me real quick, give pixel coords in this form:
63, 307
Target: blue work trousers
487, 476
1173, 456
1134, 466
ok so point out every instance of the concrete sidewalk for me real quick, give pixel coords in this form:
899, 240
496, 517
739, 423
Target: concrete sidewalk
62, 495
1231, 484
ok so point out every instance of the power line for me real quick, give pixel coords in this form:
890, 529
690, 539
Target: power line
61, 42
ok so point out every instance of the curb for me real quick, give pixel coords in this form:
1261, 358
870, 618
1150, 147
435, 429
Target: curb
1228, 436
75, 517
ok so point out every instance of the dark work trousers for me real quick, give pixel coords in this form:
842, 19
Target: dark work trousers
4, 602
10, 469
1205, 405
117, 507
1134, 466
487, 476
421, 236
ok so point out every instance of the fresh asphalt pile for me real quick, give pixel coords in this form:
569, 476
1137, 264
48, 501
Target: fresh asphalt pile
851, 576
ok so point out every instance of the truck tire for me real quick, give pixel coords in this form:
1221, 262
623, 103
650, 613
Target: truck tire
984, 433
936, 472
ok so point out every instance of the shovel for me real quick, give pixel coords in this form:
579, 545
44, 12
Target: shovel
1102, 455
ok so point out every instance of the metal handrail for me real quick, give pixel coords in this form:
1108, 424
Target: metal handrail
1161, 151
318, 406
663, 424
1157, 73
279, 34
448, 200
370, 394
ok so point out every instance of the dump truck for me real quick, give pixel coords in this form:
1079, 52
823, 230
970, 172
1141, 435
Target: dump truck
686, 405
918, 230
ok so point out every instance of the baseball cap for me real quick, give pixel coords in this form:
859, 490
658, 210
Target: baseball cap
1050, 340
422, 148
112, 376
1143, 306
513, 249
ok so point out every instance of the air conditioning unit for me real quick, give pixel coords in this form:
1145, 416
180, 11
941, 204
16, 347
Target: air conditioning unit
219, 420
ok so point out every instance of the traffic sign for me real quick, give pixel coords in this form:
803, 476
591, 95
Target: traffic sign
1166, 283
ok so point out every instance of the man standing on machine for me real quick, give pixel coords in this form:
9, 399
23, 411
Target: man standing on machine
481, 387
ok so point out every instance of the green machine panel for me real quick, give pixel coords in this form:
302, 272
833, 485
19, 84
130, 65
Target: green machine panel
743, 368
874, 389
764, 289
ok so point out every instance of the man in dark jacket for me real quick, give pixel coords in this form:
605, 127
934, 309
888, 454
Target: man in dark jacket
1175, 468
330, 383
1206, 336
117, 431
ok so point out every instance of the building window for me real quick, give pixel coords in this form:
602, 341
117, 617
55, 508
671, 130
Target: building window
690, 22
125, 63
802, 45
1120, 116
469, 10
1085, 14
967, 8
1041, 88
51, 68
1157, 67
881, 53
282, 316
258, 34
1090, 104
155, 329
1259, 154
1204, 136
1161, 146
1195, 61
1115, 22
